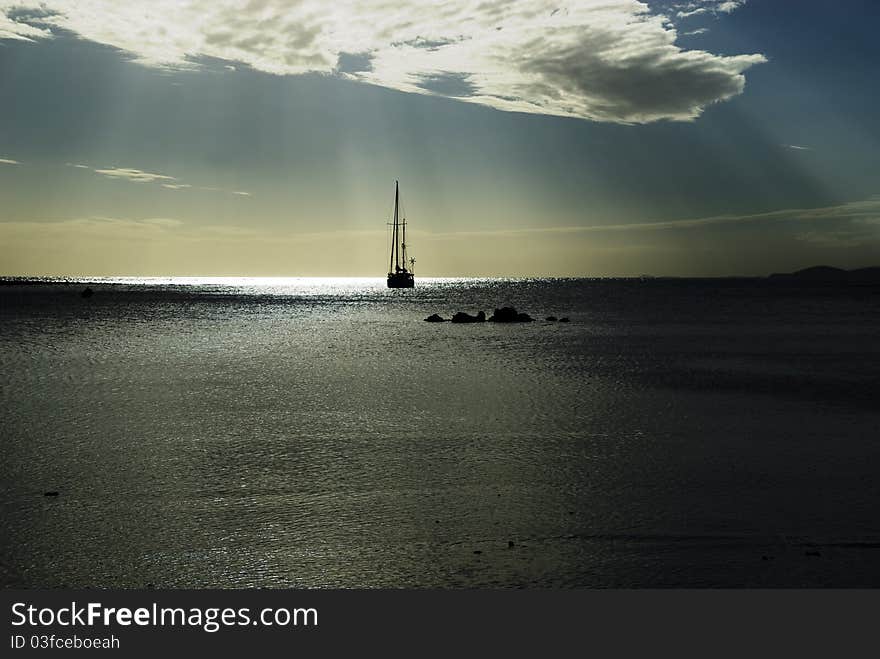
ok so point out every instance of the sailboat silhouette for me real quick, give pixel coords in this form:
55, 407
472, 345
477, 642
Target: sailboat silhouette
398, 275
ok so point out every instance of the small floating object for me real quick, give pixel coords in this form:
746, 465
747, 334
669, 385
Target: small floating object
51, 493
88, 292
550, 319
477, 551
564, 319
434, 318
510, 544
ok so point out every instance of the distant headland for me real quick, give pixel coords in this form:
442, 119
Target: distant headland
831, 274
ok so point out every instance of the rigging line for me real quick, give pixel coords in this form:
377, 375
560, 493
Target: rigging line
388, 239
402, 216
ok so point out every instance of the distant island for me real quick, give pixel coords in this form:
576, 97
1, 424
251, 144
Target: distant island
831, 274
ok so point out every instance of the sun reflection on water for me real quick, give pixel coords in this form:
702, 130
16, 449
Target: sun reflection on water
300, 286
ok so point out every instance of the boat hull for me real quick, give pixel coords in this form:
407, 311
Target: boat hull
401, 280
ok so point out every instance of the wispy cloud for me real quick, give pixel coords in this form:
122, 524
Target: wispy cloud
728, 6
796, 147
687, 13
133, 175
8, 161
240, 193
698, 7
166, 181
866, 212
615, 60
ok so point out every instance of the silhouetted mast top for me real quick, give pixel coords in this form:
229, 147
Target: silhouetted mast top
394, 266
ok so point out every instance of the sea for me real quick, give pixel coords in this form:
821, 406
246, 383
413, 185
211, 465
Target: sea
317, 433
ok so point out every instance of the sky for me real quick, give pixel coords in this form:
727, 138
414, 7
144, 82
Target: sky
531, 138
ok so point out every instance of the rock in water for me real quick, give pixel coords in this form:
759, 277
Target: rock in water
564, 319
88, 292
503, 315
550, 319
462, 317
509, 315
434, 318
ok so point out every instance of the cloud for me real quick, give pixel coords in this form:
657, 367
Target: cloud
698, 7
133, 175
240, 193
795, 147
692, 12
865, 215
614, 60
14, 23
166, 181
860, 212
8, 161
77, 165
729, 5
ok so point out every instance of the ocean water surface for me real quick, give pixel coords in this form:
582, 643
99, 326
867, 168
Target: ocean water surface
318, 433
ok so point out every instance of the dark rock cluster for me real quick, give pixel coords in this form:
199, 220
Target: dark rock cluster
462, 317
509, 315
502, 315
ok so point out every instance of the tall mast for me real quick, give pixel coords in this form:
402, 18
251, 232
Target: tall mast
396, 226
394, 256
